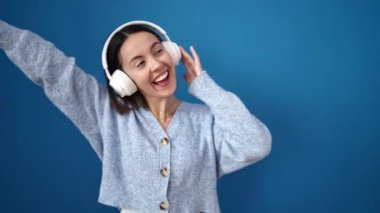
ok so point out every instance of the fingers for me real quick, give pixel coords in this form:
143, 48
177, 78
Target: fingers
196, 57
188, 62
186, 58
193, 66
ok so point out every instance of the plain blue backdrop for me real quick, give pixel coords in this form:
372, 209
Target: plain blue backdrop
309, 69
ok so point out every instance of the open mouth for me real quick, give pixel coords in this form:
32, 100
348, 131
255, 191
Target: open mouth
163, 79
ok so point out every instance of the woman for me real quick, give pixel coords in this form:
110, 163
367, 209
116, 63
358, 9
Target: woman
158, 153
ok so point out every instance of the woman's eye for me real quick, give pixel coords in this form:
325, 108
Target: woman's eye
140, 64
159, 51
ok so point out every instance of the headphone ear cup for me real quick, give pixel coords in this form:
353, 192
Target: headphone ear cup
122, 84
173, 51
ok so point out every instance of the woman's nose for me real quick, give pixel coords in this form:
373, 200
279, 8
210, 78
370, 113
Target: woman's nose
155, 64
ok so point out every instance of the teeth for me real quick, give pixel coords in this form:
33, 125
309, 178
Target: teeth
162, 77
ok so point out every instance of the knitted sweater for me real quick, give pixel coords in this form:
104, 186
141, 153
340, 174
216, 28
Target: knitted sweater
144, 167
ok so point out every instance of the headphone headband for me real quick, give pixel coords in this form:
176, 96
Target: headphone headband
137, 22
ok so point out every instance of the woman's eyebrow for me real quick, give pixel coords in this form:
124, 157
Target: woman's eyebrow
154, 44
134, 58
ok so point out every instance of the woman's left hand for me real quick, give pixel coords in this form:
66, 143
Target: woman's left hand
193, 66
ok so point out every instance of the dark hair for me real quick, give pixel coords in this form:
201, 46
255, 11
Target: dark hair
127, 103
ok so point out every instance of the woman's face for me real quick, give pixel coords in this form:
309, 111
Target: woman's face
145, 60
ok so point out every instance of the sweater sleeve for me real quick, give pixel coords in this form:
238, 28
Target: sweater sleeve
240, 138
77, 94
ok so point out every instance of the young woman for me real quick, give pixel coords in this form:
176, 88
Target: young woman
158, 153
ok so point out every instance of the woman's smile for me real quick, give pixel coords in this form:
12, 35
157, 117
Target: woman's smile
163, 79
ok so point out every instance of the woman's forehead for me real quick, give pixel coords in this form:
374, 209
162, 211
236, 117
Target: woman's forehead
137, 44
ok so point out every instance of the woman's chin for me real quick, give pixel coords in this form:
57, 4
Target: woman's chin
161, 92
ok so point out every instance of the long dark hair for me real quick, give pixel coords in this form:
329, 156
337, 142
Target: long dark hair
127, 103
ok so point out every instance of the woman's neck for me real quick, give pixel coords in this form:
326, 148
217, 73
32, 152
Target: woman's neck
163, 109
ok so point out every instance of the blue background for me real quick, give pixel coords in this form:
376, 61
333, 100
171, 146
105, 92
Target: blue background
308, 69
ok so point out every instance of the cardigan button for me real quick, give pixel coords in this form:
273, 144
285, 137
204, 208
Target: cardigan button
164, 141
164, 172
164, 205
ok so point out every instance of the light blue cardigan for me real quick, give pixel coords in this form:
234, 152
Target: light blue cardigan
205, 141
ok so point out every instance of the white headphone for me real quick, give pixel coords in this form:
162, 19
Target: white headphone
119, 80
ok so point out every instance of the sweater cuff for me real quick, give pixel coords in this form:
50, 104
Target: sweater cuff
8, 35
204, 88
